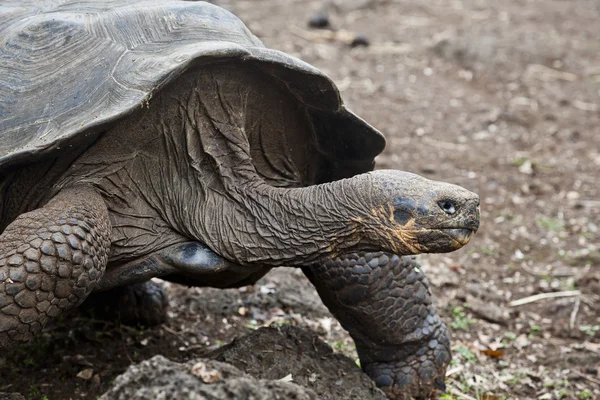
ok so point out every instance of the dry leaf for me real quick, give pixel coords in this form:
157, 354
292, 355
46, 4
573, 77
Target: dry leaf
492, 353
207, 375
86, 374
489, 397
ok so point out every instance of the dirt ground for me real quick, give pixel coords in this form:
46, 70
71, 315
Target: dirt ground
502, 97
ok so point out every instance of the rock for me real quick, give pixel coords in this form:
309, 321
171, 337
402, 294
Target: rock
359, 40
266, 354
160, 378
319, 20
487, 310
269, 363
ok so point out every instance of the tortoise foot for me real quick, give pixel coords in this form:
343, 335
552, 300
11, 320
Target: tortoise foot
140, 304
385, 303
419, 375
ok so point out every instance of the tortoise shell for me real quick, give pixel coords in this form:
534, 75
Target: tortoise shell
70, 69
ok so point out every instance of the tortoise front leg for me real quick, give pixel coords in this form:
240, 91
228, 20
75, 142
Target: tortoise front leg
50, 260
384, 302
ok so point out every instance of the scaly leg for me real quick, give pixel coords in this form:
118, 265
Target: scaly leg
50, 260
384, 302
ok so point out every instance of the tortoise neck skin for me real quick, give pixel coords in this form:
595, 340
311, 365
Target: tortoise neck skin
384, 210
302, 225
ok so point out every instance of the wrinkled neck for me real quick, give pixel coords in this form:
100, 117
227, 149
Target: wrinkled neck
292, 227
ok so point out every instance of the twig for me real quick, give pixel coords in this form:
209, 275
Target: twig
459, 394
455, 370
588, 203
322, 35
587, 378
123, 342
588, 302
195, 347
543, 296
176, 334
550, 74
583, 106
541, 274
574, 313
594, 348
444, 145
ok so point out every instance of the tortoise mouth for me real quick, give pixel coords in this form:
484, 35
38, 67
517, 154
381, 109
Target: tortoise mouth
461, 235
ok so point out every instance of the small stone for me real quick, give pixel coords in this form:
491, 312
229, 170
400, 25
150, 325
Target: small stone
203, 372
488, 310
86, 374
359, 40
319, 20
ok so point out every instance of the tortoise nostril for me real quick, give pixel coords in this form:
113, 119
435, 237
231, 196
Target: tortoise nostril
448, 206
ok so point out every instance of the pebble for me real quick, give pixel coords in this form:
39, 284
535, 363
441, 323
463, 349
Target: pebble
360, 40
319, 20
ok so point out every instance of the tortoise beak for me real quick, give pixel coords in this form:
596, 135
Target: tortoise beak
461, 235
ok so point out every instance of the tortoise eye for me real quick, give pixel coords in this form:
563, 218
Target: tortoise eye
448, 206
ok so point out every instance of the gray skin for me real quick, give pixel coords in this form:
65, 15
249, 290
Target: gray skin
172, 191
169, 142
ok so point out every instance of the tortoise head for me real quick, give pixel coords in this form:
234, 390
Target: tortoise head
418, 215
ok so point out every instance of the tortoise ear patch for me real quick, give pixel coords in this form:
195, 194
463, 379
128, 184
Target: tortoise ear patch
402, 217
403, 209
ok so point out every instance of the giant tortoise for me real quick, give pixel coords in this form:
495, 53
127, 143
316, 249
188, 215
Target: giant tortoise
162, 139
